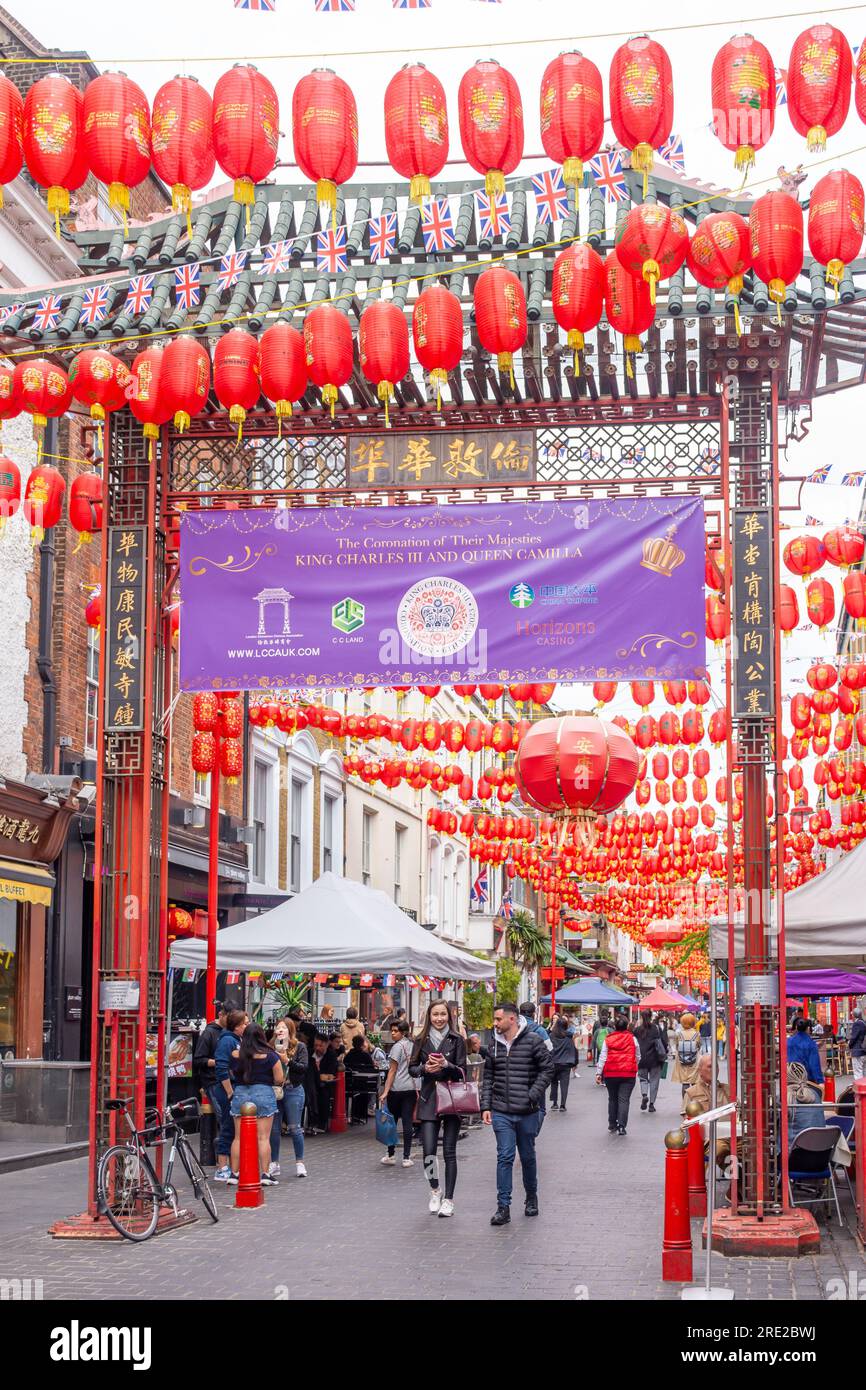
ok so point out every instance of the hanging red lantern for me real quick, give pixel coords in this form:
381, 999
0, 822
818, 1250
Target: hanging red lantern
43, 500
181, 139
93, 610
44, 391
542, 692
437, 332
628, 305
231, 714
642, 692
699, 692
416, 127
491, 693
236, 375
744, 98
184, 380
641, 99
325, 132
693, 727
789, 611
844, 546
555, 773
653, 243
203, 753
604, 691
854, 596
54, 141
282, 368
674, 692
820, 602
572, 114
11, 132
328, 346
521, 694
117, 135
491, 123
646, 731
720, 253
500, 315
717, 619
145, 395
577, 295
99, 380
804, 555
10, 399
246, 129
669, 729
383, 348
836, 219
718, 729
661, 766
466, 691
10, 489
181, 924
776, 232
85, 507
820, 69
205, 712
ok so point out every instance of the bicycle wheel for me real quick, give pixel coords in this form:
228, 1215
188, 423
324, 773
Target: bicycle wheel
196, 1175
127, 1193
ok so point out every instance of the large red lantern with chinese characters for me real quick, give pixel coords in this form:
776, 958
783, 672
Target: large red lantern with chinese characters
744, 97
185, 380
181, 139
804, 555
819, 84
789, 611
844, 546
43, 500
853, 592
99, 380
236, 375
10, 400
205, 711
93, 610
325, 132
416, 127
383, 348
576, 766
246, 128
10, 489
578, 293
572, 113
641, 99
231, 759
835, 226
500, 315
44, 391
203, 753
328, 347
720, 253
820, 602
282, 367
11, 132
717, 619
54, 141
437, 333
181, 924
491, 123
117, 135
85, 507
628, 305
776, 232
145, 394
653, 243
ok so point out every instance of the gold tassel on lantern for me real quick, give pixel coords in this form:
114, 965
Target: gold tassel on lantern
575, 342
835, 271
181, 201
84, 538
744, 159
329, 397
237, 415
506, 364
735, 288
632, 345
57, 199
326, 192
572, 173
651, 274
385, 392
419, 188
245, 193
776, 291
816, 139
281, 409
97, 413
182, 421
118, 200
150, 432
642, 157
494, 182
439, 376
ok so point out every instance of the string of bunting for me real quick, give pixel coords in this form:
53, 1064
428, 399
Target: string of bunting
365, 980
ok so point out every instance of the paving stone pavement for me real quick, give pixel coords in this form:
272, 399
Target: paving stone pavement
598, 1236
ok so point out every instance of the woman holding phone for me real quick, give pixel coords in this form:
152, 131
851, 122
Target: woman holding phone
439, 1054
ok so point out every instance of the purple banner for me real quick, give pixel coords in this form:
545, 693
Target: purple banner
536, 591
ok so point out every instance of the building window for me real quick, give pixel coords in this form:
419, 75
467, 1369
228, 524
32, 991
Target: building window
461, 896
91, 697
297, 812
201, 786
329, 812
399, 842
367, 846
446, 920
261, 798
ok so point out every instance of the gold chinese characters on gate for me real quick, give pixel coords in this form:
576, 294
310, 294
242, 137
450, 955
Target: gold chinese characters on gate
124, 629
752, 608
442, 459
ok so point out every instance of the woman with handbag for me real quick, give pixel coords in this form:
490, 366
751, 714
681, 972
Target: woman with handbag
291, 1096
438, 1056
652, 1054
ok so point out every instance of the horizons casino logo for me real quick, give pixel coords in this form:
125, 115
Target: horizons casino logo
437, 617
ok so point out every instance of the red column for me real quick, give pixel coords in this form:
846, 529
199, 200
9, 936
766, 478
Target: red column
213, 879
249, 1191
677, 1242
696, 1171
860, 1156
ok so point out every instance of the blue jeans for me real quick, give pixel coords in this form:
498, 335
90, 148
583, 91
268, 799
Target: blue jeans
222, 1109
292, 1108
515, 1134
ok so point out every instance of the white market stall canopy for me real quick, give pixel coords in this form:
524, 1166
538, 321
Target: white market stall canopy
339, 927
825, 919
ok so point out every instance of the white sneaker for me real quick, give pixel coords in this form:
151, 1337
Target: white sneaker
435, 1203
447, 1207
300, 1169
222, 1174
388, 1161
274, 1170
407, 1162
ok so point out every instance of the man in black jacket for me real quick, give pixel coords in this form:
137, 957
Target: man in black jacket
517, 1072
204, 1066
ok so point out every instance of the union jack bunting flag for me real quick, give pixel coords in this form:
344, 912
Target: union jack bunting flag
412, 4
551, 196
383, 237
781, 86
95, 305
331, 250
506, 907
813, 521
493, 215
8, 311
230, 269
480, 893
332, 6
48, 312
277, 257
820, 475
187, 285
608, 173
139, 294
256, 5
436, 225
852, 479
672, 153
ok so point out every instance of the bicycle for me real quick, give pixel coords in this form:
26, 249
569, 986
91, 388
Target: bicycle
128, 1190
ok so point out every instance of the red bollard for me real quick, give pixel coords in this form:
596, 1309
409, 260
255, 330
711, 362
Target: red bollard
677, 1242
830, 1086
695, 1163
249, 1191
338, 1118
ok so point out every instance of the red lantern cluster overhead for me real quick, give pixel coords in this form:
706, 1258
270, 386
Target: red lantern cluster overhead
437, 332
776, 230
184, 380
236, 375
641, 99
117, 135
653, 244
578, 293
416, 127
246, 128
744, 97
491, 123
572, 113
282, 368
328, 346
181, 139
835, 227
325, 132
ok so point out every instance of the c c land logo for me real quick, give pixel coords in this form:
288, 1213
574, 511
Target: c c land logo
348, 615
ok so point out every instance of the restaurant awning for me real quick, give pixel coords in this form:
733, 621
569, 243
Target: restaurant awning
25, 883
571, 961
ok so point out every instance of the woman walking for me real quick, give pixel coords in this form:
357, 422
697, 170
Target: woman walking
617, 1068
254, 1072
290, 1106
653, 1054
439, 1054
687, 1044
564, 1058
400, 1092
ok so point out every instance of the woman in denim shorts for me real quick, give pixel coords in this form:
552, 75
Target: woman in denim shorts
254, 1073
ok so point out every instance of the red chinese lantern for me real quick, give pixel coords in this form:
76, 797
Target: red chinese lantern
576, 764
572, 113
145, 394
719, 254
491, 122
789, 612
467, 691
646, 731
85, 507
44, 391
246, 129
717, 619
628, 304
185, 380
10, 400
10, 489
231, 759
577, 295
416, 127
819, 84
11, 132
541, 693
641, 99
437, 332
54, 141
43, 500
491, 693
328, 346
203, 753
853, 595
835, 226
325, 132
521, 694
181, 139
205, 711
383, 348
718, 729
180, 924
231, 716
117, 135
744, 97
699, 692
236, 375
653, 243
93, 610
500, 315
804, 555
282, 368
99, 380
604, 691
820, 602
844, 546
776, 231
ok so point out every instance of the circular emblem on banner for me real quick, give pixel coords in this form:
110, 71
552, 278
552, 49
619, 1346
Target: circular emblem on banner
437, 617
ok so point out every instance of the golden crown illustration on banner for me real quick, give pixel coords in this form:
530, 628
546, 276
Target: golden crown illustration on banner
661, 555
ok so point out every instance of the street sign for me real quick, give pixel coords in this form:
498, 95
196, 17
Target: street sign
118, 994
758, 989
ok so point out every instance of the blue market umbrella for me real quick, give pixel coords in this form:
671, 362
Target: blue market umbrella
591, 992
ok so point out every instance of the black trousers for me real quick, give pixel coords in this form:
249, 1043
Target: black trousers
450, 1126
619, 1089
402, 1107
559, 1086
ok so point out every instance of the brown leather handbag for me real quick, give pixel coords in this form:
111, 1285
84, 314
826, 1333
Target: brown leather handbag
457, 1097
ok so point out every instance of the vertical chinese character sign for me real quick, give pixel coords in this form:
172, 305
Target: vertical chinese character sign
753, 608
124, 629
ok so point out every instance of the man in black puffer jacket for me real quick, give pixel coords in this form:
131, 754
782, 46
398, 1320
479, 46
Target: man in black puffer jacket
518, 1070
